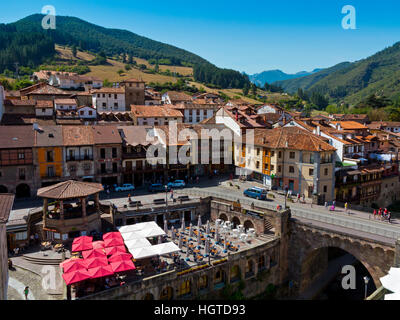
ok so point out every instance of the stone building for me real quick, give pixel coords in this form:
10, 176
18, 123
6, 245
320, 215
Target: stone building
134, 91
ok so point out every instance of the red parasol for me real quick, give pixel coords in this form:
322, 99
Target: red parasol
120, 256
82, 243
76, 276
113, 242
74, 265
124, 265
102, 271
112, 250
96, 262
98, 244
69, 261
112, 235
94, 253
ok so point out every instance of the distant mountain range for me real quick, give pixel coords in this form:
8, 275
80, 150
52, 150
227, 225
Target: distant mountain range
271, 76
352, 82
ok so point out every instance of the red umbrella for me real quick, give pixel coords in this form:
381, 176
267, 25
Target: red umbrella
102, 271
112, 250
112, 235
69, 261
98, 244
113, 242
74, 265
82, 243
96, 262
119, 256
93, 253
76, 276
124, 265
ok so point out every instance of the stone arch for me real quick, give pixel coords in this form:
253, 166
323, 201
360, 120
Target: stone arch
223, 217
167, 293
3, 189
235, 221
23, 191
250, 268
248, 224
235, 273
148, 296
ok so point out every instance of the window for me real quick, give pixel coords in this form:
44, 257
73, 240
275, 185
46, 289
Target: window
326, 171
258, 151
21, 155
292, 155
325, 189
21, 235
279, 168
280, 154
272, 153
50, 171
50, 156
115, 167
258, 164
311, 172
72, 168
291, 169
115, 96
81, 113
103, 168
90, 113
272, 167
114, 152
102, 153
116, 105
21, 173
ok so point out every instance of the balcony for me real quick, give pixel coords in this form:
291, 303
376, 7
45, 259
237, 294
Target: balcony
80, 158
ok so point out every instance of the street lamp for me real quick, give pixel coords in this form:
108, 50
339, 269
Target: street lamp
366, 280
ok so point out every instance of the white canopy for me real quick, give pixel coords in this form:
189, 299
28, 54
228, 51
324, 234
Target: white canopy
165, 248
141, 253
391, 282
152, 232
137, 243
137, 226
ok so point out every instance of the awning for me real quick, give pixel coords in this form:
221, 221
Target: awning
137, 243
141, 253
137, 226
165, 248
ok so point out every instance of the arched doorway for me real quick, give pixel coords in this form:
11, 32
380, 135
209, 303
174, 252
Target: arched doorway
248, 225
223, 217
235, 222
166, 294
3, 189
23, 191
326, 263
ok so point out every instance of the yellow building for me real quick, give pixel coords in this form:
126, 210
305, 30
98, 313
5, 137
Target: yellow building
289, 157
49, 154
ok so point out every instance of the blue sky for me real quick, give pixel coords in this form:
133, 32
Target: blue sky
250, 36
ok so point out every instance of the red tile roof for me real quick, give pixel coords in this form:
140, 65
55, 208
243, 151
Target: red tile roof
69, 190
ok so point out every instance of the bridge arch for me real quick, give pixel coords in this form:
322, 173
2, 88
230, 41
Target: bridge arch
223, 217
235, 221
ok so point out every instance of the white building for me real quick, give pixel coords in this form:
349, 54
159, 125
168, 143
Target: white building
44, 109
75, 82
86, 112
109, 99
65, 104
154, 115
196, 111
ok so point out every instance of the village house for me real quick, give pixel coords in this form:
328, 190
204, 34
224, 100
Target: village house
154, 115
78, 153
389, 126
17, 170
107, 150
48, 155
290, 158
44, 109
152, 98
46, 92
196, 111
75, 82
109, 99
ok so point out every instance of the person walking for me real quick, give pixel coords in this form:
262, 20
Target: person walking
326, 205
346, 207
304, 198
26, 292
374, 214
129, 198
389, 216
298, 197
172, 194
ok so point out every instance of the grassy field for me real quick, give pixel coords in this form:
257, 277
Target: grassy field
66, 54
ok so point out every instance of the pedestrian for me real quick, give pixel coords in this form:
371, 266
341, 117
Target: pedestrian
172, 194
374, 214
298, 197
304, 198
326, 205
334, 203
26, 292
345, 207
389, 216
129, 198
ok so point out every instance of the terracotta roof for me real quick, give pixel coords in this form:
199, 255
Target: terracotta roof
6, 203
291, 138
77, 135
65, 101
135, 135
109, 90
105, 134
48, 136
242, 119
20, 103
44, 104
155, 111
178, 96
70, 189
49, 90
16, 136
350, 125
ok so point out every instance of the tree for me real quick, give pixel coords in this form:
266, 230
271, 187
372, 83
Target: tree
253, 89
156, 67
245, 90
120, 72
74, 51
128, 67
107, 84
130, 59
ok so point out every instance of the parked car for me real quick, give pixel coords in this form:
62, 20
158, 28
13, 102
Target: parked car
158, 187
256, 193
125, 187
177, 184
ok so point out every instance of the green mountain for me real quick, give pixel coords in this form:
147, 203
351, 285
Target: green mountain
271, 76
352, 82
71, 31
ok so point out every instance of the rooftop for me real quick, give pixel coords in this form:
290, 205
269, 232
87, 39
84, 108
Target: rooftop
70, 189
6, 203
155, 111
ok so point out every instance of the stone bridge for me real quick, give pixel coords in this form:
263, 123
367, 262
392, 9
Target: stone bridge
308, 252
